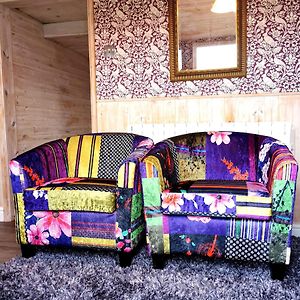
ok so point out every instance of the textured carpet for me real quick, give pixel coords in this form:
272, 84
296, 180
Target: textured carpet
87, 274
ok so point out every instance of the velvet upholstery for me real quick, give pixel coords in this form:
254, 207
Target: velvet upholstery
220, 194
83, 190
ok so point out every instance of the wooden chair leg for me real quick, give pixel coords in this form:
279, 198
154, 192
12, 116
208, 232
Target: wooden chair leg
28, 250
158, 261
278, 271
125, 259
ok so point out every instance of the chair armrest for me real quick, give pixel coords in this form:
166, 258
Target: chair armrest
130, 225
278, 169
161, 162
39, 165
273, 155
159, 171
128, 172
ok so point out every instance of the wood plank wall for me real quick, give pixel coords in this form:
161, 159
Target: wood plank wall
196, 109
51, 86
50, 90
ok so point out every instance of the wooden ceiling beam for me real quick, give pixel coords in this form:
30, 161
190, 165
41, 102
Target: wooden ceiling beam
30, 3
65, 29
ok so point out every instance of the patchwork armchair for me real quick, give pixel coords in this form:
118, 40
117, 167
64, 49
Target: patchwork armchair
220, 194
81, 191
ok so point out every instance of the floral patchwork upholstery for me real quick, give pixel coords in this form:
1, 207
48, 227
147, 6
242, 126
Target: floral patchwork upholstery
215, 198
220, 194
84, 190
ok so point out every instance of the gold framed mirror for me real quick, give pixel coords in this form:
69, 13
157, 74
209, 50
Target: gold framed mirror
207, 41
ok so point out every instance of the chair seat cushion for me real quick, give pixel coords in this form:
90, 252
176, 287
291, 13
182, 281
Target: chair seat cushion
229, 199
73, 194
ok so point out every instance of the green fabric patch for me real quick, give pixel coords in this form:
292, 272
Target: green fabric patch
156, 240
283, 195
82, 200
151, 190
278, 248
279, 242
136, 206
280, 228
155, 233
135, 235
237, 228
155, 221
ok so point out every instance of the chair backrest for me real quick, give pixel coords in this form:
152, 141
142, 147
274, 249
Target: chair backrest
99, 155
217, 155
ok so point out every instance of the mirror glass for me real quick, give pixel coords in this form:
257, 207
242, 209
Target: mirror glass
207, 39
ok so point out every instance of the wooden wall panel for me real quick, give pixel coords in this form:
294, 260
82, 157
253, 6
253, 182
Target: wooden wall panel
121, 114
51, 86
44, 93
8, 141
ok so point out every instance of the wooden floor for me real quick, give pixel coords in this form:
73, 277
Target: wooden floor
8, 245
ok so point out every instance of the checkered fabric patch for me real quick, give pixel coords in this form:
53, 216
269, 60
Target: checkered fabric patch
174, 157
246, 249
90, 187
114, 149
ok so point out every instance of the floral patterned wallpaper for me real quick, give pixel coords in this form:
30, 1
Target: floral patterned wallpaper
140, 67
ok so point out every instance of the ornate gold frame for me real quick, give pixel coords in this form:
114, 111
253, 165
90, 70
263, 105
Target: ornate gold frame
183, 75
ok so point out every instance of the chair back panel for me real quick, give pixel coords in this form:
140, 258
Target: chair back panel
44, 163
98, 155
217, 155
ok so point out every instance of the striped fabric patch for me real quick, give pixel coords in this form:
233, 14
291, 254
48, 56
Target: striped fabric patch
45, 163
83, 155
234, 187
282, 165
250, 229
126, 175
253, 207
93, 229
93, 242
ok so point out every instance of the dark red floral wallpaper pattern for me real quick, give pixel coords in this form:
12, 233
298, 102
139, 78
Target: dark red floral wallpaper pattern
140, 67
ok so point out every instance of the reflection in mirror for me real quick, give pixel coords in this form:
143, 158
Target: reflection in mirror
207, 39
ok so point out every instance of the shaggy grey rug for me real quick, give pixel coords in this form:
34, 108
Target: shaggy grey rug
77, 274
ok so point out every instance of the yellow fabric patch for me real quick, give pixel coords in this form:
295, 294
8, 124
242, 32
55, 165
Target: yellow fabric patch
45, 188
72, 154
126, 174
253, 199
81, 200
20, 218
93, 242
166, 244
250, 206
86, 149
191, 165
253, 211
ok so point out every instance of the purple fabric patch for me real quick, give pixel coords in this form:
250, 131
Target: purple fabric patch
196, 225
94, 225
47, 162
229, 161
36, 200
257, 189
